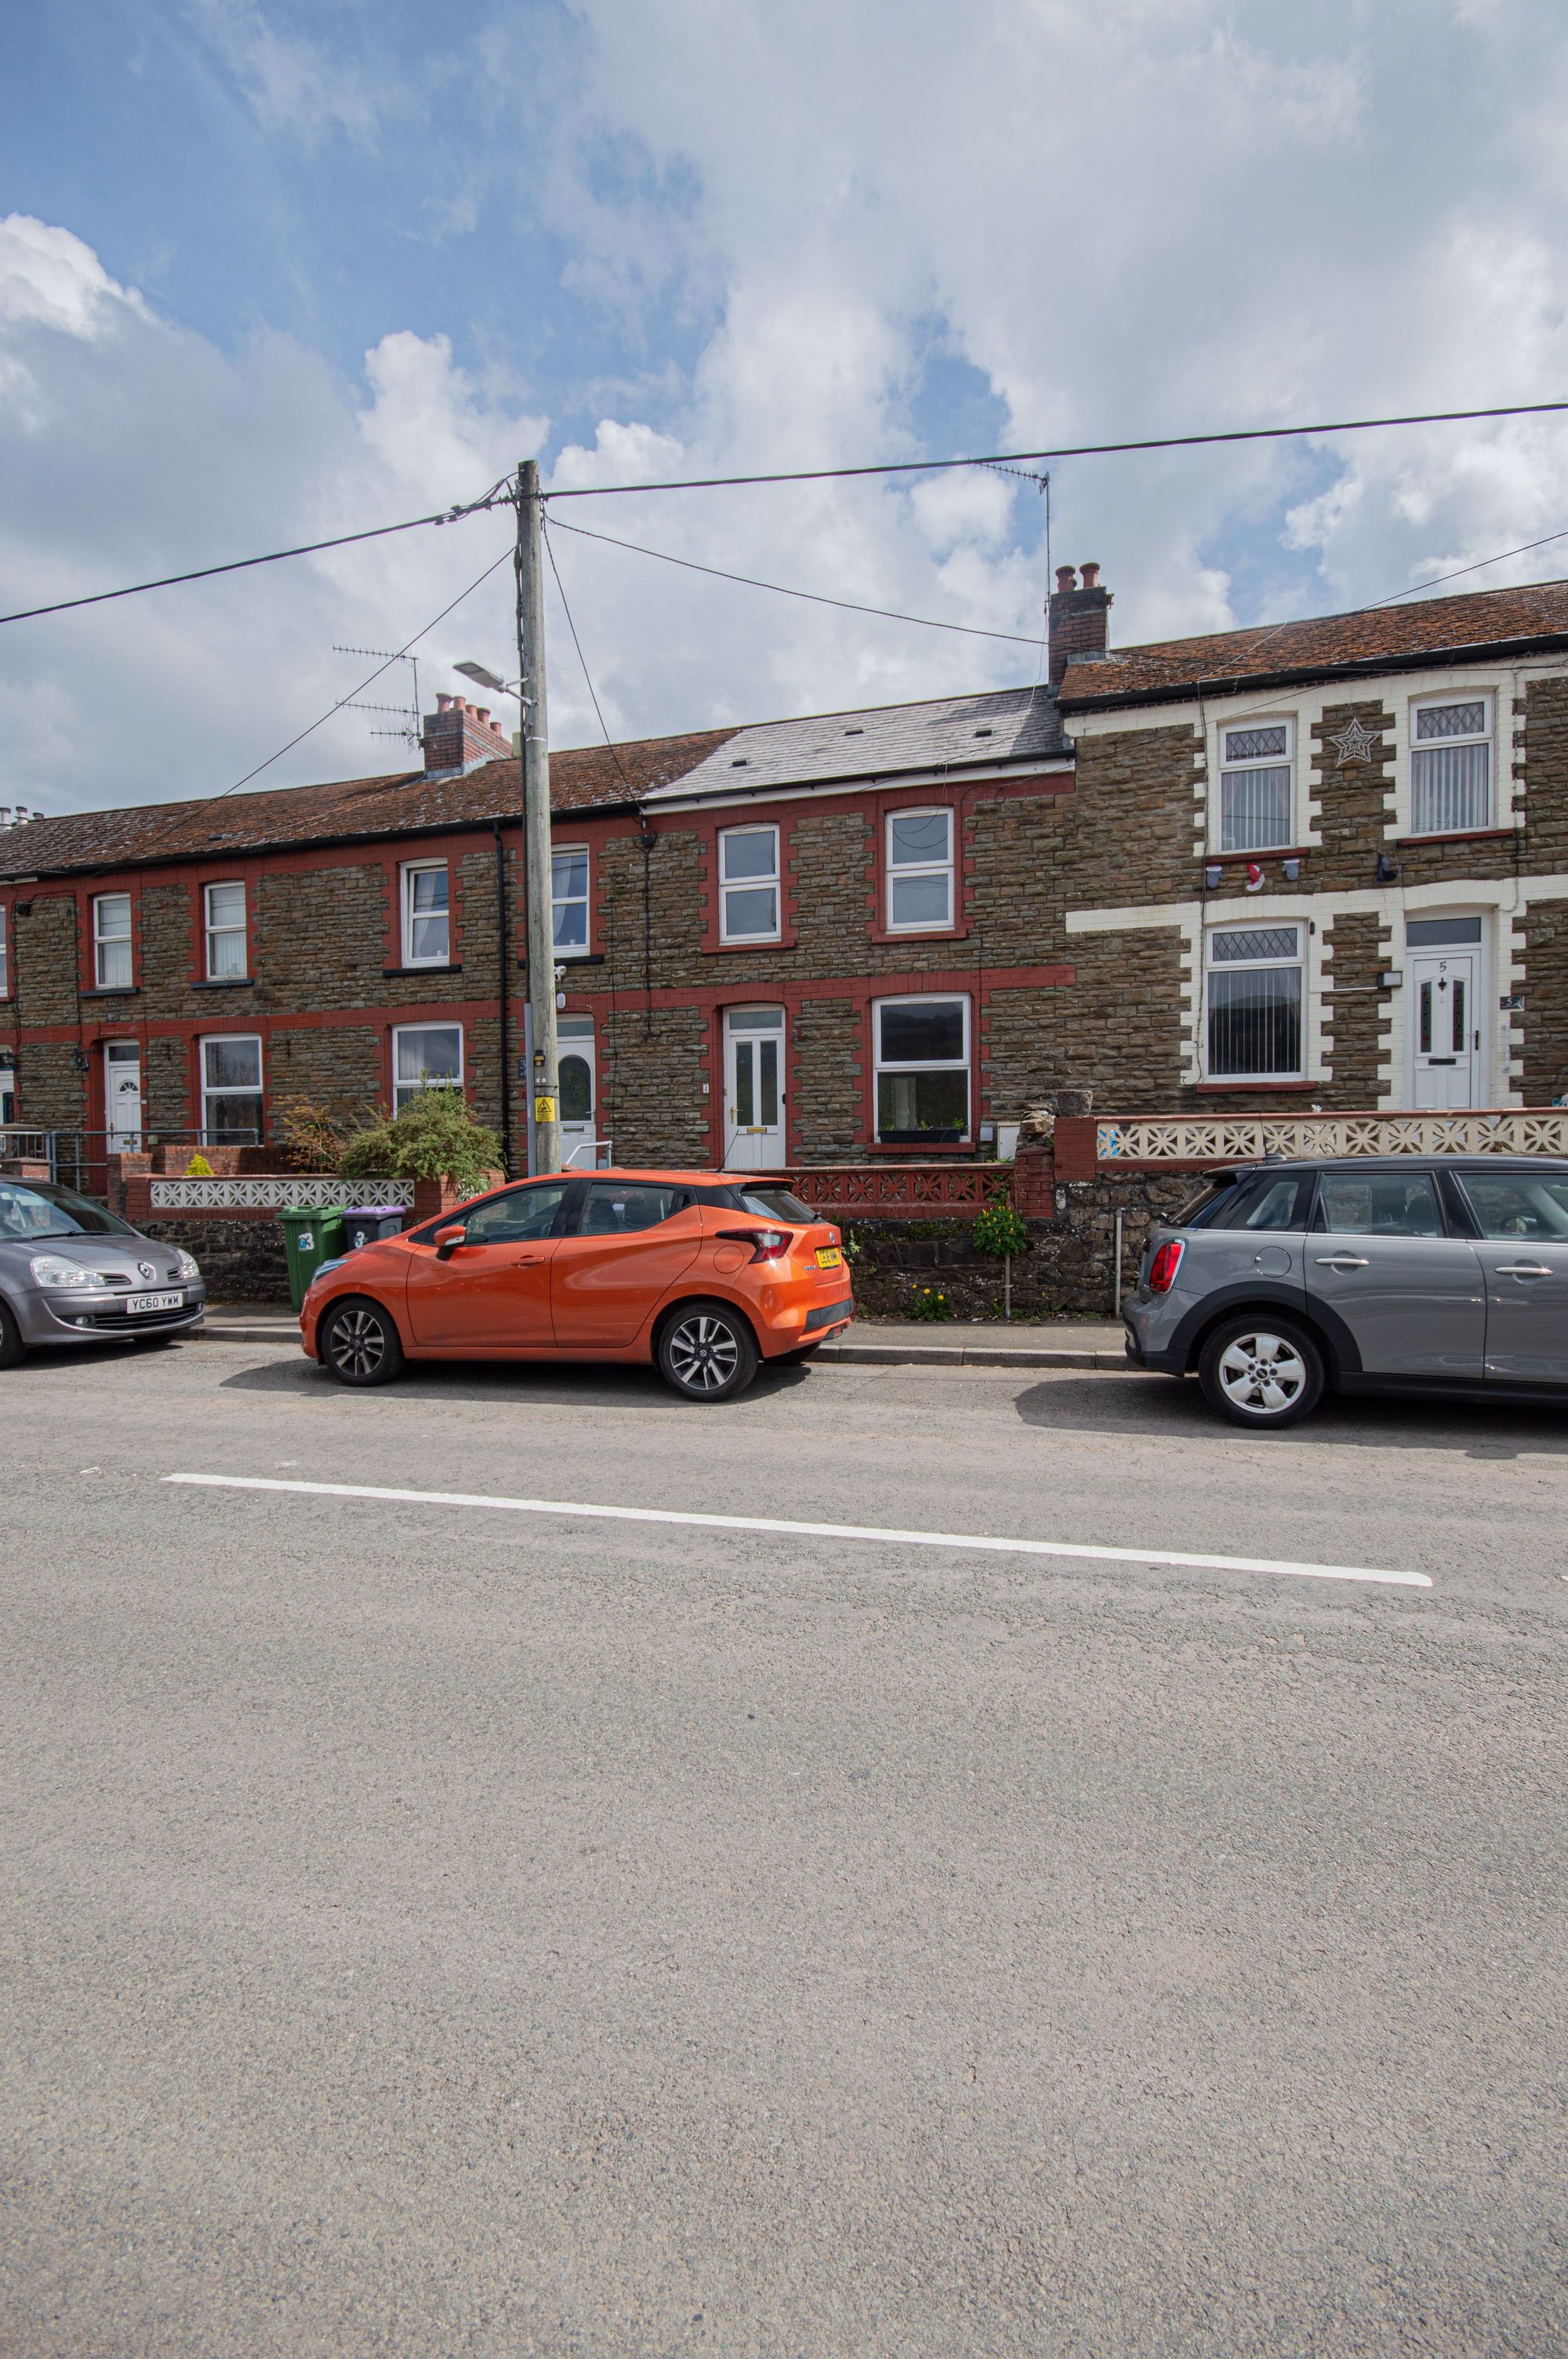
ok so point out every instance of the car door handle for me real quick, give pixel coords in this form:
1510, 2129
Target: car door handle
1523, 1269
1342, 1261
521, 1261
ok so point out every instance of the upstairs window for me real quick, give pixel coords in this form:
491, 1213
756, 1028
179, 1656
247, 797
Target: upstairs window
225, 926
111, 941
1254, 994
923, 1069
749, 885
920, 871
1257, 782
569, 900
427, 925
4, 952
1451, 767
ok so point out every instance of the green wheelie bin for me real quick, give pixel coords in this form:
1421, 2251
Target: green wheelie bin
311, 1234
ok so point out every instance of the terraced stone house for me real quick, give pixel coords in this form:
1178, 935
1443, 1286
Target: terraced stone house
1322, 864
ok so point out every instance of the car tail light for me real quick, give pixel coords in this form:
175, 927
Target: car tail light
1163, 1267
767, 1245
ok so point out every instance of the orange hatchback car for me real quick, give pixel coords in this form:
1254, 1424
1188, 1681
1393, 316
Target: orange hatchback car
706, 1274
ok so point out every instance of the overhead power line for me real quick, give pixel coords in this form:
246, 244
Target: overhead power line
816, 597
497, 497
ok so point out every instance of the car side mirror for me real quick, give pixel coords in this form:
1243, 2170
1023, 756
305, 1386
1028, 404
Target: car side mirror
447, 1241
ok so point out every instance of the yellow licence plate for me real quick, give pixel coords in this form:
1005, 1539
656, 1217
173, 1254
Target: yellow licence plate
828, 1256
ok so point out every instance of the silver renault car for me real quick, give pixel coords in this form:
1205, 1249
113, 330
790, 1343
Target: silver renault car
1409, 1274
71, 1272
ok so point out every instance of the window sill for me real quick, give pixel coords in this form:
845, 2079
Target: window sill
224, 982
450, 966
919, 934
1464, 835
761, 943
910, 1152
570, 958
1274, 852
1220, 1089
113, 991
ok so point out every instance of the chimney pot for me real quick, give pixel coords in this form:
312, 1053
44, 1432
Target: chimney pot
1079, 619
1066, 578
1091, 575
483, 713
443, 703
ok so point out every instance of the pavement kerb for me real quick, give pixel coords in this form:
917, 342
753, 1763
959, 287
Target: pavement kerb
286, 1331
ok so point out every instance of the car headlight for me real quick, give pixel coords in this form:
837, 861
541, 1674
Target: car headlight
187, 1268
54, 1269
323, 1267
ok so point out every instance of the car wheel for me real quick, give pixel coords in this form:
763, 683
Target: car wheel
360, 1345
12, 1348
1262, 1371
707, 1352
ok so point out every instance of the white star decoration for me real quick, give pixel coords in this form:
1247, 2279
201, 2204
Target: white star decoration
1353, 745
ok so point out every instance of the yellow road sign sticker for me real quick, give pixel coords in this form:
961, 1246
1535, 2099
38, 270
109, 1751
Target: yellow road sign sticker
543, 1109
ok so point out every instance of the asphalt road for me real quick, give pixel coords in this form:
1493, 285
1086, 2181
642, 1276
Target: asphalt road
433, 1929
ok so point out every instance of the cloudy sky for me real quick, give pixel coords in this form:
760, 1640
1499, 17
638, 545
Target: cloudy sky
270, 270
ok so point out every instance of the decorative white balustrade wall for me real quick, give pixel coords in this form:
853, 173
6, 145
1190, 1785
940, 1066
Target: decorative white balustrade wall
274, 1195
1230, 1138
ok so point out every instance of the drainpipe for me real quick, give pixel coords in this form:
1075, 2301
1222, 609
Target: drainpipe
503, 945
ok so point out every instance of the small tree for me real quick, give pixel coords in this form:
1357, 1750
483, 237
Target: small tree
434, 1136
314, 1135
1001, 1232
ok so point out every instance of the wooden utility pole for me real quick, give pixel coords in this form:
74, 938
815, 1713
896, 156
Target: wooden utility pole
537, 819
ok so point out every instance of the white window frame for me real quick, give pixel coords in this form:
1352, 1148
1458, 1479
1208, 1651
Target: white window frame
1262, 923
771, 882
912, 869
214, 934
411, 869
1486, 735
103, 941
930, 1065
1224, 768
404, 1092
583, 900
4, 952
224, 1040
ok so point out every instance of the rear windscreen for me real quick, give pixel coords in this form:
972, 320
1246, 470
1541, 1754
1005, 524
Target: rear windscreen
1262, 1200
774, 1204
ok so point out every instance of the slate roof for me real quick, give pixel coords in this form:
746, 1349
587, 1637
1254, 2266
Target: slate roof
1008, 725
1373, 639
403, 802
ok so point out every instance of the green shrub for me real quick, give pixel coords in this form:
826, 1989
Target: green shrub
929, 1302
199, 1168
434, 1138
1000, 1230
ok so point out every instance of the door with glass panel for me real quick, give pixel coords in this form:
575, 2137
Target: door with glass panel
122, 1097
577, 1072
1442, 991
753, 1089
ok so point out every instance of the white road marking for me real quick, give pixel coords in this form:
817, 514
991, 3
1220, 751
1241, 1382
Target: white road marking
573, 1507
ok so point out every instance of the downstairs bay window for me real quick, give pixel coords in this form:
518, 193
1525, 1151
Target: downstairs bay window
922, 1059
1253, 993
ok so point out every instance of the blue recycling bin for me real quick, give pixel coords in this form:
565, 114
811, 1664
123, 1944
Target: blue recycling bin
362, 1224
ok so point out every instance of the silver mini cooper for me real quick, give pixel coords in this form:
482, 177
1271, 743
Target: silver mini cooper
1407, 1273
71, 1272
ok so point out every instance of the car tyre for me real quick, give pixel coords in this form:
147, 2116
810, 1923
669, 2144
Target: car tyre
1262, 1371
360, 1343
707, 1352
12, 1348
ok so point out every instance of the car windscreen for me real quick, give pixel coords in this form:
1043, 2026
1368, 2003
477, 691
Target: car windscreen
772, 1204
32, 1209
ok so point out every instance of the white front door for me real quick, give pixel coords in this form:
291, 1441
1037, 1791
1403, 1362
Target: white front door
753, 1089
1445, 1028
578, 1074
122, 1097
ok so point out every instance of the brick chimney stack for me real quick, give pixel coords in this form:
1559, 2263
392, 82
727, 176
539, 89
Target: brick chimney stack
1079, 619
459, 736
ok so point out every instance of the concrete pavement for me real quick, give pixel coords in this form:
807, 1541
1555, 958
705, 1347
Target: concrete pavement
433, 1929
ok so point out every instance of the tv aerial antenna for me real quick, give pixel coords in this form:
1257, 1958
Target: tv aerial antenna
407, 716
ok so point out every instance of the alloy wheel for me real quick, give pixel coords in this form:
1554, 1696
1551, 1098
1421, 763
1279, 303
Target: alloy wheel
704, 1354
1262, 1374
358, 1342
